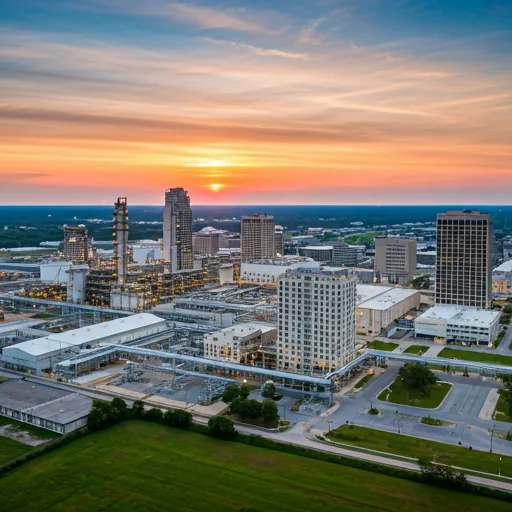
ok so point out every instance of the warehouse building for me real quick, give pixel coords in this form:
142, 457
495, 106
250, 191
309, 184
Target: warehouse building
379, 306
41, 354
43, 406
459, 323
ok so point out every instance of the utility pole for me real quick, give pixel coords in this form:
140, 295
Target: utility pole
492, 435
329, 422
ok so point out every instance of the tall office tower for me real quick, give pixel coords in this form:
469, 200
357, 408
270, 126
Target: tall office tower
464, 253
76, 243
395, 259
121, 238
279, 240
206, 244
177, 247
316, 320
258, 237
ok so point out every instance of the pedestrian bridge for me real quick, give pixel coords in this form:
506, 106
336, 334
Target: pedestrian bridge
415, 358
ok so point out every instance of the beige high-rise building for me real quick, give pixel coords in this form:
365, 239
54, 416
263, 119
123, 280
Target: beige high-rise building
464, 254
177, 244
76, 243
395, 259
316, 320
206, 244
258, 237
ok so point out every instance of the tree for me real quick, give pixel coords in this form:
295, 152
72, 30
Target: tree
505, 319
231, 392
416, 376
442, 476
138, 409
245, 391
120, 405
221, 427
250, 409
97, 419
236, 405
269, 410
269, 390
155, 415
507, 309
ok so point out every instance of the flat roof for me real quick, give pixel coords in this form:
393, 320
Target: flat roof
318, 247
242, 330
63, 410
506, 266
388, 299
368, 291
20, 394
460, 314
91, 333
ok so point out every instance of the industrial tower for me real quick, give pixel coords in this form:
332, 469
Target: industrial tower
121, 238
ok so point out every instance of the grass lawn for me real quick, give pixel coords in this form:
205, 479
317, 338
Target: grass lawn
399, 393
421, 448
363, 381
484, 357
501, 409
40, 433
416, 349
9, 449
382, 345
148, 467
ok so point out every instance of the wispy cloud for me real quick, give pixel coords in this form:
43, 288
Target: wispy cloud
263, 52
237, 19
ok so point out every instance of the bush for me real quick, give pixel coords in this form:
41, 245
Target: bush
373, 410
177, 418
103, 414
245, 391
138, 409
251, 409
154, 415
221, 428
269, 390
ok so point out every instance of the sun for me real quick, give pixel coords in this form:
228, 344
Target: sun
215, 187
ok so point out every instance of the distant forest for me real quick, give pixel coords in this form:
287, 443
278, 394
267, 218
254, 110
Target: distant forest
48, 220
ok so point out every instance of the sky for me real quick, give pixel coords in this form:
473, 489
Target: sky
256, 102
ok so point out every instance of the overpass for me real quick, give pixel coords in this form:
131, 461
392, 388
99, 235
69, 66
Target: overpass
415, 358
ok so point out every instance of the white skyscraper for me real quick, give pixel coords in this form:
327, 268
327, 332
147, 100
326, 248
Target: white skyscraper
316, 320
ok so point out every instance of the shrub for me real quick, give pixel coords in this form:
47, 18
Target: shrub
221, 427
177, 418
154, 415
269, 390
138, 409
269, 410
245, 391
231, 392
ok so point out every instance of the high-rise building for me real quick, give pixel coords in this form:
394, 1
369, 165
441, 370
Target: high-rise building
316, 320
464, 258
258, 237
177, 243
121, 238
206, 244
76, 243
395, 259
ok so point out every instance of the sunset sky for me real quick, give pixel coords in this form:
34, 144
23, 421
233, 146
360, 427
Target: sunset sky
256, 102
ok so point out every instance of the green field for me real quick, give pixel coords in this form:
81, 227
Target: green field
10, 449
416, 349
484, 357
363, 239
382, 345
501, 410
148, 467
399, 393
422, 449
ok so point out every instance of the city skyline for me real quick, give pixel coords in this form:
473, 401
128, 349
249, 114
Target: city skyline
323, 102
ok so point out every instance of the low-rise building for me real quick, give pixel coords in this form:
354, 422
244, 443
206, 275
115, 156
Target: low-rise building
41, 354
239, 343
44, 406
267, 272
322, 253
502, 278
459, 323
378, 307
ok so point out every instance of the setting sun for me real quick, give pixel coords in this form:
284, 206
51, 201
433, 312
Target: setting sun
216, 187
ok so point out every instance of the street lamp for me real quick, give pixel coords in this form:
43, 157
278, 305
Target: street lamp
492, 434
499, 468
371, 404
398, 422
329, 422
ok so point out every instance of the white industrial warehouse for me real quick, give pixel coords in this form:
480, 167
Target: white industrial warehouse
41, 354
459, 323
379, 306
